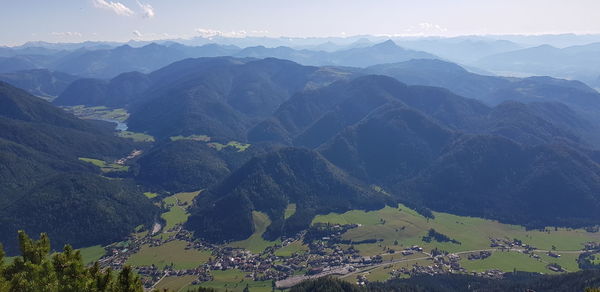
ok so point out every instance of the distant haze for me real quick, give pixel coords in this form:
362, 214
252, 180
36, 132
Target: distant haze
122, 20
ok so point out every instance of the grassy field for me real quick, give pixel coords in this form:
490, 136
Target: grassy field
289, 211
405, 226
382, 273
234, 281
175, 283
239, 146
137, 137
150, 195
177, 214
255, 243
98, 113
507, 262
567, 260
201, 138
91, 254
105, 166
290, 249
187, 198
171, 252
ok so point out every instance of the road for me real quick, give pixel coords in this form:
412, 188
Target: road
297, 279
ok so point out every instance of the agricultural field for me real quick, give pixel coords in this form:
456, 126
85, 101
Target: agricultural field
137, 137
289, 211
98, 113
401, 227
150, 195
177, 205
92, 253
382, 273
235, 281
175, 283
290, 249
239, 146
255, 243
173, 252
105, 166
201, 138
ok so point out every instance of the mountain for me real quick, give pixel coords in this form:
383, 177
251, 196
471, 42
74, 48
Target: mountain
493, 177
40, 82
107, 63
17, 63
311, 118
575, 103
385, 52
189, 165
574, 94
220, 97
80, 209
464, 49
39, 150
268, 184
442, 74
574, 62
182, 166
112, 62
384, 132
392, 143
117, 92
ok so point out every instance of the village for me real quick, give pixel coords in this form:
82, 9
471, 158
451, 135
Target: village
328, 254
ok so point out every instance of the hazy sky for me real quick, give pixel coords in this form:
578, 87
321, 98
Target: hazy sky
121, 20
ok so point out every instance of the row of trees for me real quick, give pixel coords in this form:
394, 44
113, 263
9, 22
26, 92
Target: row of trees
36, 270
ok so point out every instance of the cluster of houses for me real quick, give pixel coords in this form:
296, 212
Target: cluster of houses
592, 246
328, 254
504, 244
480, 255
135, 153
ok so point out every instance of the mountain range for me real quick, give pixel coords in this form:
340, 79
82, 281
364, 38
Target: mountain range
423, 132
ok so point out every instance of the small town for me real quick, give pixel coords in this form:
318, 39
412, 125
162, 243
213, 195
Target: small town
325, 256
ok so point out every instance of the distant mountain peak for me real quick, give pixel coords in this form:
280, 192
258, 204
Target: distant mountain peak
387, 45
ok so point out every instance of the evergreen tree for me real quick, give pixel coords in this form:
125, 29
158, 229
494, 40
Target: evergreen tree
36, 271
127, 281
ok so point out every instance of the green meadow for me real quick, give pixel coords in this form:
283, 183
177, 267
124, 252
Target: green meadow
92, 253
255, 243
137, 137
235, 281
402, 227
172, 252
105, 166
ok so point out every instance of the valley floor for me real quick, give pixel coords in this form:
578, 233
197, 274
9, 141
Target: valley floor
356, 246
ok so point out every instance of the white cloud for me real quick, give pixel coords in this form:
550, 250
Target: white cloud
116, 7
147, 10
431, 27
210, 33
67, 34
137, 33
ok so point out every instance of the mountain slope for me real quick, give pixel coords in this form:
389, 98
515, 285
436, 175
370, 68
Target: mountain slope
39, 82
268, 184
80, 209
220, 97
496, 178
391, 144
45, 187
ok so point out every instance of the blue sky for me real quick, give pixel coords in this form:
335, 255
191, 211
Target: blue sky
122, 20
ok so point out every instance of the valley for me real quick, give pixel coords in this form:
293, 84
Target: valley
356, 246
354, 163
